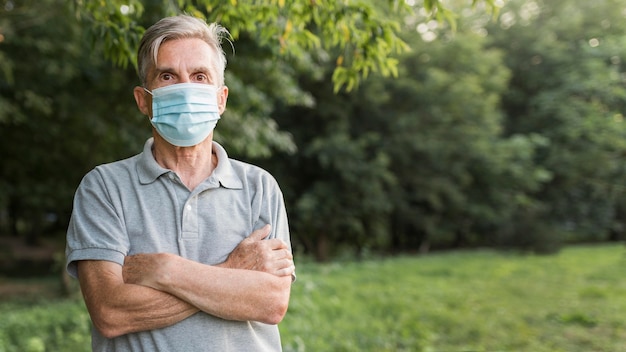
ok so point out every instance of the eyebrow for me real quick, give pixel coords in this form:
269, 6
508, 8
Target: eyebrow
204, 69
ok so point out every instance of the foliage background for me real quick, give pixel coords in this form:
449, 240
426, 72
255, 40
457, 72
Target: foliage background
389, 131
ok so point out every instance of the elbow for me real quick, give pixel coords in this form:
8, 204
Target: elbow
105, 323
108, 332
277, 310
277, 313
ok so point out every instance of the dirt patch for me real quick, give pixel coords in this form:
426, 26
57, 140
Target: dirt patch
10, 289
18, 259
16, 248
30, 272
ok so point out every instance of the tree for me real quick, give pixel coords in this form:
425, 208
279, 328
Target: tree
337, 185
568, 87
458, 164
64, 110
403, 163
273, 39
460, 179
365, 34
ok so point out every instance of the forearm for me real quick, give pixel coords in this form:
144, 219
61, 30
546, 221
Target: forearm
117, 308
232, 294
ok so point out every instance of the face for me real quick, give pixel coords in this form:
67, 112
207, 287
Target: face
181, 61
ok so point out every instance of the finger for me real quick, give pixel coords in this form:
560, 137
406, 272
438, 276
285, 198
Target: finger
277, 244
283, 264
260, 234
283, 254
287, 271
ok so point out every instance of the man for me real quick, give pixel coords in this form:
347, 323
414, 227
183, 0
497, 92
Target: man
180, 248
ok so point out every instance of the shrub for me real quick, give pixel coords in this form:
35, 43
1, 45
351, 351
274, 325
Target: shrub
46, 326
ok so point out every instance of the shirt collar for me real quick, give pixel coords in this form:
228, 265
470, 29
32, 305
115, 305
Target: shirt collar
224, 171
149, 170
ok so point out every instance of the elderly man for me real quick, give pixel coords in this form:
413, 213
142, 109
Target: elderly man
180, 248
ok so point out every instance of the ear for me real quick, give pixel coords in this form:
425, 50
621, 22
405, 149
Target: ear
222, 96
143, 100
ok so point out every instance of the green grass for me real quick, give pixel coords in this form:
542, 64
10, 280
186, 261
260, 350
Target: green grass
463, 301
453, 301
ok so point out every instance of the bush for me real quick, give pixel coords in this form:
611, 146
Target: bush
46, 326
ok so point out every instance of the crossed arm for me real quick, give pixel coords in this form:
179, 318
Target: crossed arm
156, 290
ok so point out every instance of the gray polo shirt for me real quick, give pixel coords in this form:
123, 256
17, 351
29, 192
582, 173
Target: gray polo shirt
136, 206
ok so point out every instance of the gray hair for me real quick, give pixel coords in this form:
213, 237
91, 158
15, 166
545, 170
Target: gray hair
179, 27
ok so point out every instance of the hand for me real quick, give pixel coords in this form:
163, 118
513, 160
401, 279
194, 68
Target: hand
255, 253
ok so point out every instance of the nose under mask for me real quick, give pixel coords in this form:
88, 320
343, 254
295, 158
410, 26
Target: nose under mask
184, 114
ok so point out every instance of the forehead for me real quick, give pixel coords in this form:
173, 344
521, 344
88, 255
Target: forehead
185, 53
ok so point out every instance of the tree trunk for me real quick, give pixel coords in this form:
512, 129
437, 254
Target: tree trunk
321, 251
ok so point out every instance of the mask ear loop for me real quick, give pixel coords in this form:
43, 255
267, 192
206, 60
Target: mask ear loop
147, 91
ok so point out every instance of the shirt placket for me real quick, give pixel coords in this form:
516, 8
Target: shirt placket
190, 218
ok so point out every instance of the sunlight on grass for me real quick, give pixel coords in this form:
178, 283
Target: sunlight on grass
462, 301
450, 301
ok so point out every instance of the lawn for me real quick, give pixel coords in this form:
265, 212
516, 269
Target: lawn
450, 301
463, 301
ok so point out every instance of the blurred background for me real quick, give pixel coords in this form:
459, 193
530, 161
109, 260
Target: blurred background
393, 127
506, 130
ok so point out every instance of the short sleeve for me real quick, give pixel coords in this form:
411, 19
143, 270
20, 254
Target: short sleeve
96, 230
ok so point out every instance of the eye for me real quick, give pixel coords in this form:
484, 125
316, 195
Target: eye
166, 77
201, 77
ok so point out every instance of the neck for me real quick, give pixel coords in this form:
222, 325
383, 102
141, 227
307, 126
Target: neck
192, 164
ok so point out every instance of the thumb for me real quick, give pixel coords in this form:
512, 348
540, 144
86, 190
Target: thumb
258, 235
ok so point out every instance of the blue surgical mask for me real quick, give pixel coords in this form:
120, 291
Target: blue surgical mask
184, 114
